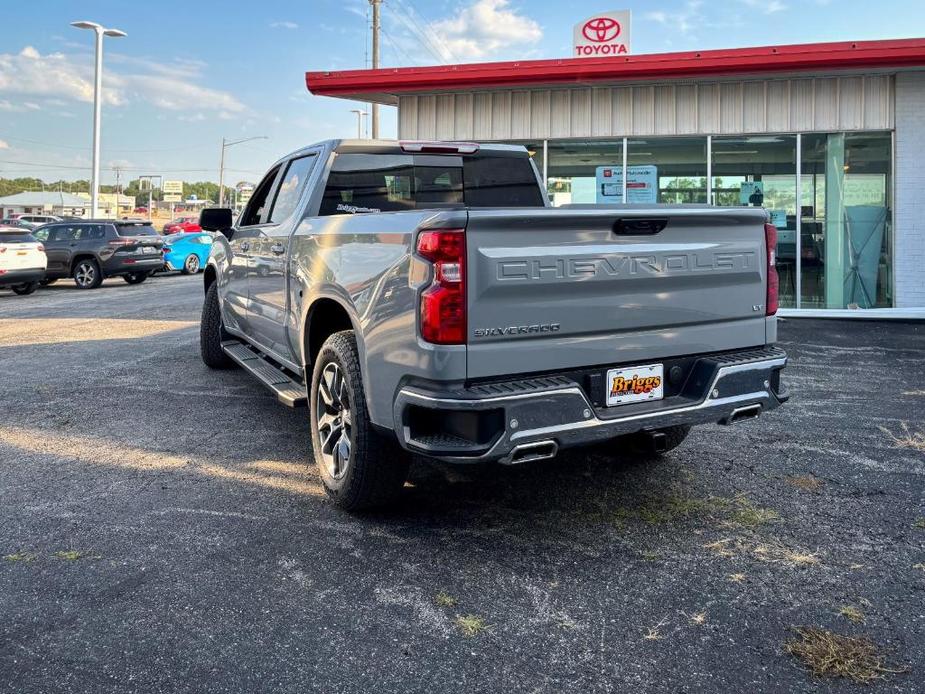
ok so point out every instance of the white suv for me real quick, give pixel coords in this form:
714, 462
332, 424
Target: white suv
22, 260
36, 220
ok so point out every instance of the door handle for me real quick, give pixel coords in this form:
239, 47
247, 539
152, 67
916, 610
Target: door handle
245, 246
278, 249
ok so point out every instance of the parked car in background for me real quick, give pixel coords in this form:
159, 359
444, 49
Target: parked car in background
141, 210
187, 253
89, 251
34, 221
22, 260
182, 225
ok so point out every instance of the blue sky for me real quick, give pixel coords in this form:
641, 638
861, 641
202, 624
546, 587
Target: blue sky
190, 73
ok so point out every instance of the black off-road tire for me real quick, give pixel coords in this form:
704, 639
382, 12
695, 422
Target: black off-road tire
212, 333
24, 289
136, 277
91, 264
377, 466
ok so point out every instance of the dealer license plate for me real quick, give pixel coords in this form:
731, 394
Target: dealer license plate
148, 249
635, 384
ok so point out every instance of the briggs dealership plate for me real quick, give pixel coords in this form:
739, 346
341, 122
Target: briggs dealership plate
635, 384
148, 249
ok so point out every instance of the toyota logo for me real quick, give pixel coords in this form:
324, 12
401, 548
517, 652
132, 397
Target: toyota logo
601, 29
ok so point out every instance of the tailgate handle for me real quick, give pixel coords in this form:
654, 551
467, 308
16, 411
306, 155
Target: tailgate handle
639, 226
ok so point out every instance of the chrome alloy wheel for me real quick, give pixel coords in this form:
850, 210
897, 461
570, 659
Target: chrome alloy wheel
192, 263
335, 421
85, 274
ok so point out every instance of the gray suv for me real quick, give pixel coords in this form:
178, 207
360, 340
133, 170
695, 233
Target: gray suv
90, 251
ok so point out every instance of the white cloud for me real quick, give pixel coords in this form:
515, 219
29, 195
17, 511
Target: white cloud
284, 25
484, 29
173, 86
4, 144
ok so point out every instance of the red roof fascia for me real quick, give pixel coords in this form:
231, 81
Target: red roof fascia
893, 53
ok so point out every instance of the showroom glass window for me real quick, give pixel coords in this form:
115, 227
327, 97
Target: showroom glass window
667, 170
575, 167
846, 254
760, 171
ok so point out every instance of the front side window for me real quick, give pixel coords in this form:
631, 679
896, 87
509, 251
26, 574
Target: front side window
253, 213
290, 189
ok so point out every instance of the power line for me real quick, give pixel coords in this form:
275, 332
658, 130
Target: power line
402, 14
397, 48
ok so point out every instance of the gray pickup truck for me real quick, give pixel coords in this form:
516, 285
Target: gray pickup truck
424, 298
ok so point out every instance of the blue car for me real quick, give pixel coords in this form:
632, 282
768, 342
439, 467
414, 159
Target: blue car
187, 253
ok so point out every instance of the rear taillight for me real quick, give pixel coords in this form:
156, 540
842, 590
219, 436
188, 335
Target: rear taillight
443, 303
121, 242
41, 248
770, 239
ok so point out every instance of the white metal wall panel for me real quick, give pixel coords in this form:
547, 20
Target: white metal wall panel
446, 120
427, 117
539, 114
560, 113
778, 103
825, 110
664, 109
601, 112
481, 116
754, 107
621, 117
643, 111
462, 117
520, 115
580, 118
798, 104
687, 119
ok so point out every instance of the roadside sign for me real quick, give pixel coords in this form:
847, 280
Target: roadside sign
172, 187
641, 184
173, 198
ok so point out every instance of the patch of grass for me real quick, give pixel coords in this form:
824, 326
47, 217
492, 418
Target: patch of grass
20, 556
827, 654
919, 524
749, 516
649, 555
772, 552
654, 633
470, 625
698, 618
737, 578
74, 555
808, 483
851, 613
442, 599
906, 438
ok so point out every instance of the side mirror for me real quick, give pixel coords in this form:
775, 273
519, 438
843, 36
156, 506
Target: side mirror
217, 219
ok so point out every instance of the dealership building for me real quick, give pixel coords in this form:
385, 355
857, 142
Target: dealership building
829, 138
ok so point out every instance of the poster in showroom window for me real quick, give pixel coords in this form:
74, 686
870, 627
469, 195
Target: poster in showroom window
641, 184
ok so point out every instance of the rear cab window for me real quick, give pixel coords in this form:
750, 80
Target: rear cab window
360, 183
136, 230
18, 236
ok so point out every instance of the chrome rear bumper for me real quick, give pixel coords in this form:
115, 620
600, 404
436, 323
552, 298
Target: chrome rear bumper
556, 409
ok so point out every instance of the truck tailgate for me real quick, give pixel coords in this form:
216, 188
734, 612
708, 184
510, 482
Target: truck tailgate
553, 289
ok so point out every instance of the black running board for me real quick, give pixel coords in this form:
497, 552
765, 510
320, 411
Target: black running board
288, 391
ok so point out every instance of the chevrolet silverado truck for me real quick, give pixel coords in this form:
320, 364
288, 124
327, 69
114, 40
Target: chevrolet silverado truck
425, 299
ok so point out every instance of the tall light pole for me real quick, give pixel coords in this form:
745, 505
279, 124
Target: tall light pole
376, 27
97, 106
221, 166
360, 113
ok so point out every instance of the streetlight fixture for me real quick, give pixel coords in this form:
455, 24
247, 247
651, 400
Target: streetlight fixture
97, 106
360, 113
221, 166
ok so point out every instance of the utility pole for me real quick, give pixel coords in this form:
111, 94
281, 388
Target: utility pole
375, 107
221, 165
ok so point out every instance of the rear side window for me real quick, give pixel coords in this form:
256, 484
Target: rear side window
136, 230
290, 188
503, 181
16, 237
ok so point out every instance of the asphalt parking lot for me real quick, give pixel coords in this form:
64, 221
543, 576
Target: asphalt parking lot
160, 530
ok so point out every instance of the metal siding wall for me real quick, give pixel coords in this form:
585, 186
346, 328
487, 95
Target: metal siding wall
446, 121
520, 115
824, 104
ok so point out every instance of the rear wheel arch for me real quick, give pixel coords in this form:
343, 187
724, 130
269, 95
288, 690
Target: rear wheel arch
208, 278
85, 256
325, 317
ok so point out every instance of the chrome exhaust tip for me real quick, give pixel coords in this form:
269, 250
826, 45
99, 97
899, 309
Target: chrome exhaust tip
742, 413
529, 452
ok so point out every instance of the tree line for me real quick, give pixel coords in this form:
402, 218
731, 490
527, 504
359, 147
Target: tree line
203, 190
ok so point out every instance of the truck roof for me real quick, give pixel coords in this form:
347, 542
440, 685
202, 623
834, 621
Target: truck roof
354, 146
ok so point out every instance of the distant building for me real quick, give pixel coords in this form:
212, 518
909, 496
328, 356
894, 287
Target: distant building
45, 202
112, 205
243, 191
